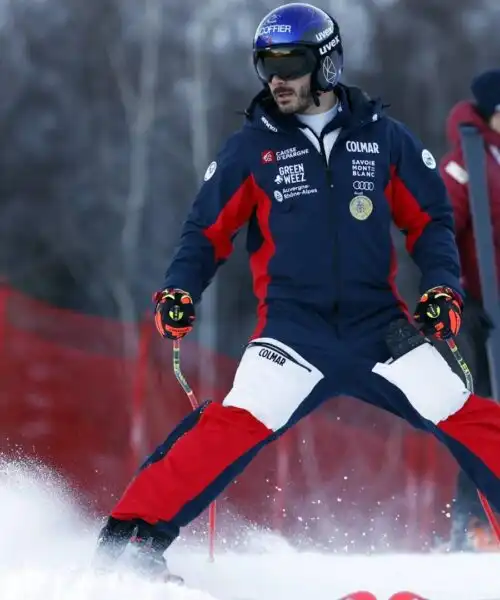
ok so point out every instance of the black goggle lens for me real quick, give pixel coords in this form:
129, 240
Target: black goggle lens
284, 63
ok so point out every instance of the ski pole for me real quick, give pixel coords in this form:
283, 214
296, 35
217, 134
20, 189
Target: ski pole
176, 362
469, 382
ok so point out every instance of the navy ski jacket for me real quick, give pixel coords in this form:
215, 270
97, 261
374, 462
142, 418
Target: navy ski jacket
319, 222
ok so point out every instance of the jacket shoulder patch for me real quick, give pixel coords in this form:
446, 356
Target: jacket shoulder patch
428, 159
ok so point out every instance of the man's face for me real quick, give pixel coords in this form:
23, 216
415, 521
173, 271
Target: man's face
292, 95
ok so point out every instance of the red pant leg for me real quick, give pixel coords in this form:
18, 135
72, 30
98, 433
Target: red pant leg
191, 466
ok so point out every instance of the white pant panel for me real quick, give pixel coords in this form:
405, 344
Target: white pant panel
428, 382
271, 382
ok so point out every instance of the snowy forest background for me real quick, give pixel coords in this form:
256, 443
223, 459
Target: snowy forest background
110, 111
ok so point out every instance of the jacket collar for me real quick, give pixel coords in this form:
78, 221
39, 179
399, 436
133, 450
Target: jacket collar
356, 108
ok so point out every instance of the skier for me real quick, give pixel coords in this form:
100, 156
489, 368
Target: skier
470, 528
317, 173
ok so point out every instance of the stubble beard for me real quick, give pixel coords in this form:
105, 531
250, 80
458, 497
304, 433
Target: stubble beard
299, 103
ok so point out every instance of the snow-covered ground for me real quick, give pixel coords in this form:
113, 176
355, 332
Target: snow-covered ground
46, 547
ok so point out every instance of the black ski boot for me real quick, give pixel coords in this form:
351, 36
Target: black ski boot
111, 543
147, 558
147, 547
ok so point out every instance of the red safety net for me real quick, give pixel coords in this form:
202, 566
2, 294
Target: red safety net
91, 397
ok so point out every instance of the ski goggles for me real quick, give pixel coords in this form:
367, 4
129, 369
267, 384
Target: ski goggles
286, 62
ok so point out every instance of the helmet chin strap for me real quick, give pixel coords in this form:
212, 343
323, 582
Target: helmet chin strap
315, 92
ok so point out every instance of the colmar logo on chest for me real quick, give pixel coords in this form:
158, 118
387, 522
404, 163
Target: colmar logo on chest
366, 147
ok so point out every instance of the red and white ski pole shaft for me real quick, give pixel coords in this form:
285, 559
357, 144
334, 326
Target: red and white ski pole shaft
176, 362
469, 382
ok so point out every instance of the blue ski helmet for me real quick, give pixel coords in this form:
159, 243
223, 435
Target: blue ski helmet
296, 39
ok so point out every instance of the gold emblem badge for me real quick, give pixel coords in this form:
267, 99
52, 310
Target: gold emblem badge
361, 207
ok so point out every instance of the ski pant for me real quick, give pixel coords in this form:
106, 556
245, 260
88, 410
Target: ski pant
296, 364
472, 341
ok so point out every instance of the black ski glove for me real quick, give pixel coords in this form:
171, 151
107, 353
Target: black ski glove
174, 313
439, 311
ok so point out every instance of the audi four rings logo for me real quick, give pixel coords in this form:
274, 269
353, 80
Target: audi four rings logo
364, 186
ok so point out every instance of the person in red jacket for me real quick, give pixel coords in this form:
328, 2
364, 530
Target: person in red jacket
469, 525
